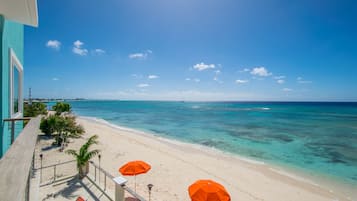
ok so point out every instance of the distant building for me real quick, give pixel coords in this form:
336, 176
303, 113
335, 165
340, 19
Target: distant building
14, 14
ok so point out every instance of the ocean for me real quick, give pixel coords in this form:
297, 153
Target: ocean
316, 137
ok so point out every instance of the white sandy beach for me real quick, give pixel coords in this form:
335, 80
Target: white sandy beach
177, 165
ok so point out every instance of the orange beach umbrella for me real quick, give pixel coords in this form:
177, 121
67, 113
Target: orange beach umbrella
134, 168
208, 190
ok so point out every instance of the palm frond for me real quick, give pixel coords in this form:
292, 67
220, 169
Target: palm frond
83, 156
72, 152
91, 154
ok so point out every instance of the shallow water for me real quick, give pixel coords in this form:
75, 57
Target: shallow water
317, 137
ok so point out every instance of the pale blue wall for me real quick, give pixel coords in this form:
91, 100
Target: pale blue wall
12, 36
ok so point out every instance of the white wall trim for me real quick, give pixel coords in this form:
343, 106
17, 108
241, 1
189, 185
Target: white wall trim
14, 61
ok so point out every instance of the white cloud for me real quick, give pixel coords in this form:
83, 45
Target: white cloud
137, 56
300, 80
55, 44
77, 48
217, 72
244, 70
140, 55
55, 79
193, 79
153, 77
98, 51
287, 89
78, 43
202, 66
143, 85
279, 77
260, 71
280, 81
241, 81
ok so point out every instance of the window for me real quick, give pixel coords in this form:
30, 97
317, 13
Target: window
16, 76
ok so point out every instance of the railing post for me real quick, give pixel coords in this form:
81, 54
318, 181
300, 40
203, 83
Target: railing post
119, 190
54, 173
12, 131
95, 173
105, 182
99, 170
41, 157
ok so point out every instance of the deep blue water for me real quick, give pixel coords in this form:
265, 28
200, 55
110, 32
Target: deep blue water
318, 137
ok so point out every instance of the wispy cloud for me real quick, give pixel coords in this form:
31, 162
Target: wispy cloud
300, 80
202, 66
287, 89
244, 70
140, 55
280, 81
143, 85
260, 71
54, 44
193, 79
153, 77
98, 51
216, 75
241, 81
77, 48
55, 79
279, 77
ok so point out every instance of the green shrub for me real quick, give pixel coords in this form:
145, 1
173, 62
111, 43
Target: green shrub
61, 107
48, 124
35, 109
62, 127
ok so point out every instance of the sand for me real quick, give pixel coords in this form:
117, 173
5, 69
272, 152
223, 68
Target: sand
176, 165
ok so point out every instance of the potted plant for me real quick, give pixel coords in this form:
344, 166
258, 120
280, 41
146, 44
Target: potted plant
84, 155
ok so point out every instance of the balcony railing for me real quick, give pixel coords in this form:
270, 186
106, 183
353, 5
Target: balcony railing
98, 171
12, 126
16, 164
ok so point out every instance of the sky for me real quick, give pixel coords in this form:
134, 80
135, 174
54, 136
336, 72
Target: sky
200, 50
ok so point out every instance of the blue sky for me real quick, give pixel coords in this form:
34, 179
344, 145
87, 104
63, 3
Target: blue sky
193, 50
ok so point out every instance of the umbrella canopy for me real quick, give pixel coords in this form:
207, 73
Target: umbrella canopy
134, 168
208, 190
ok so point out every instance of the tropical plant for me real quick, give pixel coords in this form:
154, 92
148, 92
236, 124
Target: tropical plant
48, 124
62, 127
34, 109
66, 127
84, 155
61, 107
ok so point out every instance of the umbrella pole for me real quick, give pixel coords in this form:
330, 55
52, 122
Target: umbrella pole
135, 183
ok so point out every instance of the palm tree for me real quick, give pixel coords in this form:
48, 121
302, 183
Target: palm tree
84, 155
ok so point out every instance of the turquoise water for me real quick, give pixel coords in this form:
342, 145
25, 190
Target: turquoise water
318, 137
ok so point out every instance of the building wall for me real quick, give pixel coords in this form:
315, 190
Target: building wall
12, 36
